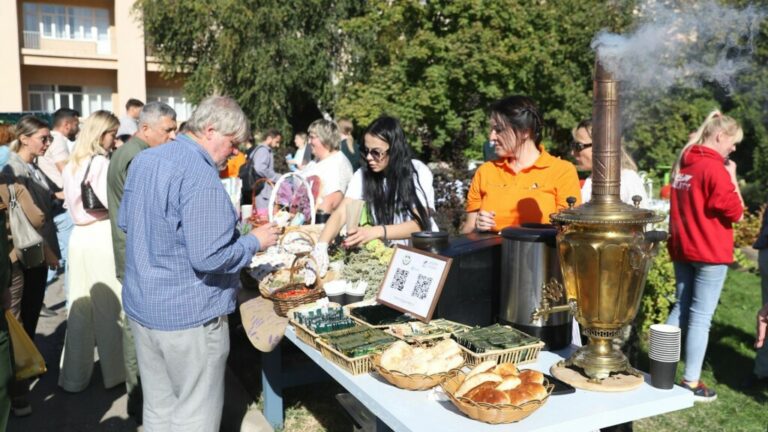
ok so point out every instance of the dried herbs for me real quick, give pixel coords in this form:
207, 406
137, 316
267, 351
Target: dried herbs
324, 320
491, 338
365, 264
358, 341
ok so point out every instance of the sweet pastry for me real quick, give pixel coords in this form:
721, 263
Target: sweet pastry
534, 390
489, 395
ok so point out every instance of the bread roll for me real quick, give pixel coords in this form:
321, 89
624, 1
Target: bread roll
518, 397
490, 385
490, 396
535, 390
506, 369
509, 383
530, 375
474, 381
482, 367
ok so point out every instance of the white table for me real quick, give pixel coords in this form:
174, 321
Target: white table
404, 410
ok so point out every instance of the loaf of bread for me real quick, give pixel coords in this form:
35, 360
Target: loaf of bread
506, 369
487, 394
475, 380
487, 382
482, 367
403, 358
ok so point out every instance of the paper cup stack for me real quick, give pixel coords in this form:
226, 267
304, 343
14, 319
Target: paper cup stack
664, 352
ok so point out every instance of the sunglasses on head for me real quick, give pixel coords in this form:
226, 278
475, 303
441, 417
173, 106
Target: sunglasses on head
376, 154
577, 146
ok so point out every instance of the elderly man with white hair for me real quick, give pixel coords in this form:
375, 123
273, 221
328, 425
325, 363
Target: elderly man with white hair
182, 261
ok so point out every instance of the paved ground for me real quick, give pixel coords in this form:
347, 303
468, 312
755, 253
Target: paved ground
98, 409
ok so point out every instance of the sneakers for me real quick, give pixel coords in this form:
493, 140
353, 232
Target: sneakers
21, 407
701, 393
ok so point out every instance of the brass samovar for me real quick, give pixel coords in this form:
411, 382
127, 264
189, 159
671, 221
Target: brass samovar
605, 250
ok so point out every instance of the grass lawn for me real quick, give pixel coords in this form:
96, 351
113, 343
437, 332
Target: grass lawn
729, 359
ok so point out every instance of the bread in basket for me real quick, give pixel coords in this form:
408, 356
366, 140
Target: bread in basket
418, 368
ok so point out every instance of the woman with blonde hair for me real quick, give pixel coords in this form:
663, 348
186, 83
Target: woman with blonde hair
705, 202
94, 291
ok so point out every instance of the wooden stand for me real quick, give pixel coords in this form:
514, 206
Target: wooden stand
615, 383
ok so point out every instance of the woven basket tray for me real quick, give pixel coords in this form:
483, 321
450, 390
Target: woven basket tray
355, 366
282, 306
302, 332
492, 413
410, 382
518, 355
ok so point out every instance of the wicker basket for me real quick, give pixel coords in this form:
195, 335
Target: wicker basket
282, 306
296, 234
302, 332
518, 355
413, 381
257, 219
355, 366
492, 413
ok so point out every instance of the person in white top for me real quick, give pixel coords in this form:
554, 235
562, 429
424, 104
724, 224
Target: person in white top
330, 167
581, 148
296, 162
94, 291
396, 189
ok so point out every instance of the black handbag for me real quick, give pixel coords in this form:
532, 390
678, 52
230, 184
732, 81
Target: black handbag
90, 200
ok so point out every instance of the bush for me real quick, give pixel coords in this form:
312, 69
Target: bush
745, 232
659, 294
450, 195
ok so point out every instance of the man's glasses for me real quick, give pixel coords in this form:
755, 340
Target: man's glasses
376, 154
577, 146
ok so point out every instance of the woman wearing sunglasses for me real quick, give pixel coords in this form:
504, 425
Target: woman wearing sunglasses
581, 148
525, 184
396, 188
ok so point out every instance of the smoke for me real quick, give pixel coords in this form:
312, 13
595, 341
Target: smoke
681, 43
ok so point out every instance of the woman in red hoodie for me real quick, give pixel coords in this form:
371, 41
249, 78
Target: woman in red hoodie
705, 202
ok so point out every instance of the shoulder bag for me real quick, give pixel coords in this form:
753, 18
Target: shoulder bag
90, 200
27, 241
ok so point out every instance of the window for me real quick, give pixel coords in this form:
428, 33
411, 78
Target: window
43, 97
174, 98
66, 22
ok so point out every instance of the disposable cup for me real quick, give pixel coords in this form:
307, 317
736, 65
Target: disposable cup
246, 211
663, 374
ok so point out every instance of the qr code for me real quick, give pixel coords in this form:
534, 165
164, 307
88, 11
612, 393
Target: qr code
398, 281
422, 287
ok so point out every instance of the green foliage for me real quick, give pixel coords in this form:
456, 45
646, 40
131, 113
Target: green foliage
273, 57
659, 294
745, 232
437, 65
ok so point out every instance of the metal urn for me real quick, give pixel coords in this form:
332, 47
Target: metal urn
604, 247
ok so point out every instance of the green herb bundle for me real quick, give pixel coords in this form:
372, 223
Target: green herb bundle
358, 341
491, 338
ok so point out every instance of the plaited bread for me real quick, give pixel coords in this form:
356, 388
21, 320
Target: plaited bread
509, 383
482, 367
476, 380
530, 375
506, 369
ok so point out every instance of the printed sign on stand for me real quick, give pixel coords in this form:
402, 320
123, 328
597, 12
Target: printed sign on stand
414, 282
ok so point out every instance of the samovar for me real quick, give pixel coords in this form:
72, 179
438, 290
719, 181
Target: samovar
605, 250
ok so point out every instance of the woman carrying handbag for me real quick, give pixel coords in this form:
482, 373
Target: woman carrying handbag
94, 291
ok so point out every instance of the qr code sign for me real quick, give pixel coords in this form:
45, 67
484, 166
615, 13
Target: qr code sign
398, 281
422, 287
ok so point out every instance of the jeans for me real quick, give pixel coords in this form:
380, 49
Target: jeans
698, 287
761, 360
64, 227
182, 376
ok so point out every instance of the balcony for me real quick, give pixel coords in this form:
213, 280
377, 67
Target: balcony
103, 45
31, 39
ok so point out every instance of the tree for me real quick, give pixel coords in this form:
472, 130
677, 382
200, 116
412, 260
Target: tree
276, 58
438, 64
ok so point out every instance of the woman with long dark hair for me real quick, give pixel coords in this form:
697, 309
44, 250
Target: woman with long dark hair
524, 184
396, 188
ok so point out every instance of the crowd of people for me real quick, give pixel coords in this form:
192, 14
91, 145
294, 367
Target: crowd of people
135, 212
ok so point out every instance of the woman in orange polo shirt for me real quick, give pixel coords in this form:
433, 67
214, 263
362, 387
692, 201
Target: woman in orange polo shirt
525, 184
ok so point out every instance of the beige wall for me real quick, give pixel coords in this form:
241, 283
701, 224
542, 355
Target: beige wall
10, 71
131, 59
69, 76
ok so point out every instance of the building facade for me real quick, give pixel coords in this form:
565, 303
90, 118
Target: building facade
81, 54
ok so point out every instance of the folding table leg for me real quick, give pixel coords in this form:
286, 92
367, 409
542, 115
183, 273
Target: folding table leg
271, 372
